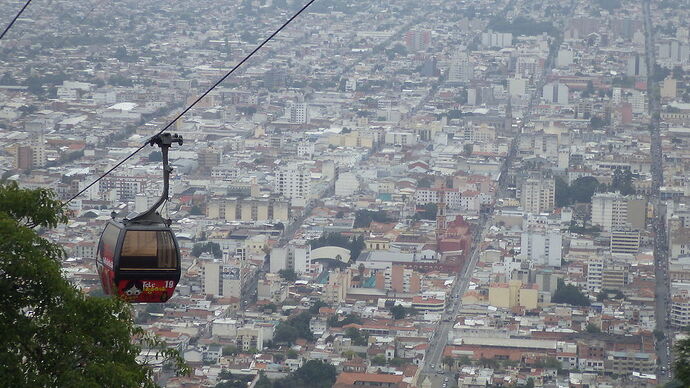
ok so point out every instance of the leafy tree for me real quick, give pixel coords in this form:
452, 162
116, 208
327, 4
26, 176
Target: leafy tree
335, 321
681, 365
659, 334
464, 360
424, 182
592, 328
210, 247
489, 363
582, 189
395, 361
622, 182
448, 361
355, 244
562, 195
379, 359
398, 311
597, 122
294, 328
314, 309
313, 374
288, 274
364, 218
467, 149
358, 338
52, 333
263, 381
569, 294
530, 383
292, 354
429, 213
230, 350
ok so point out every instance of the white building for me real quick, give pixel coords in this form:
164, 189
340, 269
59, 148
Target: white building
294, 181
460, 70
517, 87
221, 280
293, 256
347, 184
564, 58
497, 39
538, 195
298, 113
613, 211
542, 247
555, 93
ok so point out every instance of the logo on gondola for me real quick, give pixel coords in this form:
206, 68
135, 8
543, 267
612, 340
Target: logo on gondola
133, 288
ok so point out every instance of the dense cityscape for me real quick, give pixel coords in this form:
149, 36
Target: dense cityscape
487, 193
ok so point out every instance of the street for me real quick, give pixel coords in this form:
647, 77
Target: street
662, 292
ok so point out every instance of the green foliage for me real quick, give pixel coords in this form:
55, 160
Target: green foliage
580, 191
562, 197
681, 365
467, 149
294, 328
624, 81
398, 311
622, 182
292, 354
429, 213
569, 294
211, 247
53, 334
378, 360
424, 182
313, 374
288, 274
228, 380
355, 244
659, 334
364, 218
314, 309
549, 363
230, 350
530, 383
335, 321
395, 361
358, 338
597, 122
489, 363
448, 361
592, 328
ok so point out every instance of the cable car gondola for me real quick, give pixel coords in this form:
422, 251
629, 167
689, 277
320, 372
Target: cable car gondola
138, 258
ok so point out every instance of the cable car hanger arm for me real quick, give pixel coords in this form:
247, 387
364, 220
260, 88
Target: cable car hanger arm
164, 141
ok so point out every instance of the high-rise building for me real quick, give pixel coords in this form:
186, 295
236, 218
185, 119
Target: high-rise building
625, 241
613, 211
496, 39
555, 93
222, 280
460, 70
298, 113
636, 66
418, 40
542, 247
538, 195
23, 159
294, 181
